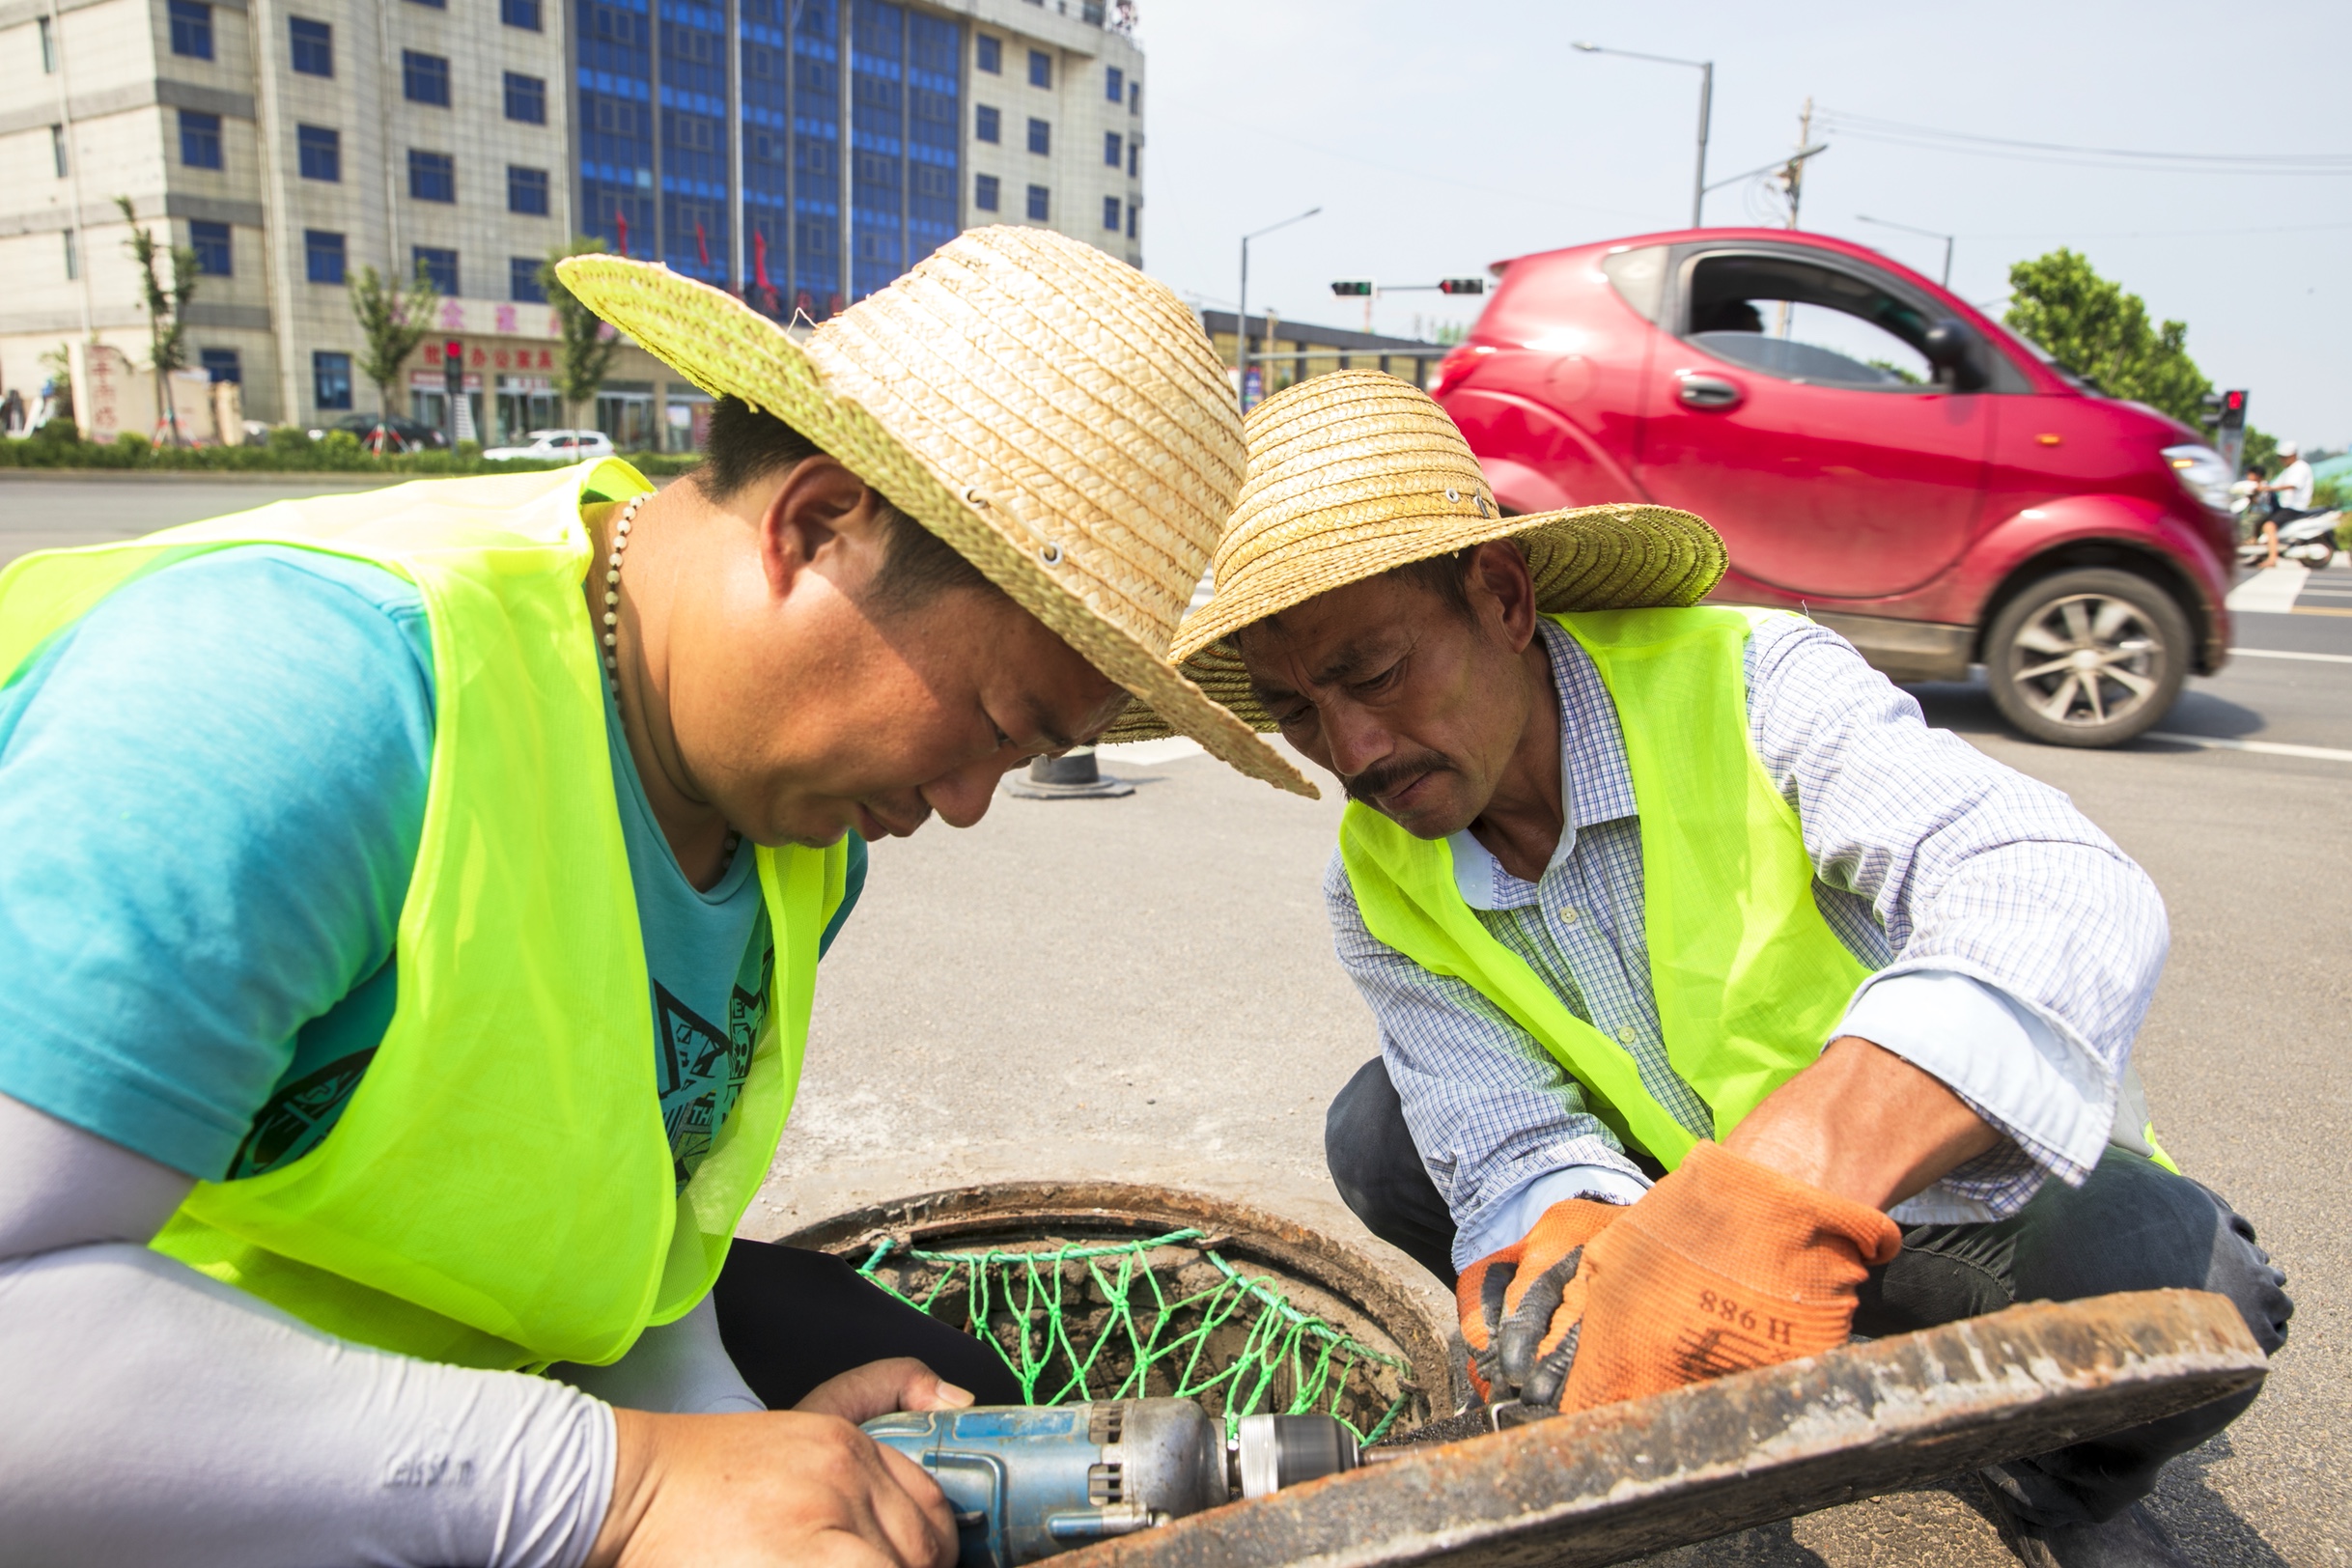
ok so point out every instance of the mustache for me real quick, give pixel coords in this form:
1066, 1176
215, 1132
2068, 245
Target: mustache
1369, 785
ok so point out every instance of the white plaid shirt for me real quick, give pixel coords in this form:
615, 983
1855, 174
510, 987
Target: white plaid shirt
2015, 948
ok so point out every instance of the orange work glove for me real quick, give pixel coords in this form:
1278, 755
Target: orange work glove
1507, 1298
1721, 1267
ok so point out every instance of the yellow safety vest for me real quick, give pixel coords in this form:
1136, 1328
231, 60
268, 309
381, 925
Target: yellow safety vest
499, 1191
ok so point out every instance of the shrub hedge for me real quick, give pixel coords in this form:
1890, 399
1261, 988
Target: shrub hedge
288, 451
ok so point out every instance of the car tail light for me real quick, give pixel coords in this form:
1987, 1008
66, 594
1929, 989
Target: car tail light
1456, 367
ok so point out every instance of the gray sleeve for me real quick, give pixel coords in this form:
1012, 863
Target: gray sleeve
156, 1415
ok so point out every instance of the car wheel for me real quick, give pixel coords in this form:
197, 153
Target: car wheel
2090, 658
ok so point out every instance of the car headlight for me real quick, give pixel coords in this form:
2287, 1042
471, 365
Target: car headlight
2202, 473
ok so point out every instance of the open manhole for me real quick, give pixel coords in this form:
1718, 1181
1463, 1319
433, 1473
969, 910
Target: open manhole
1096, 1290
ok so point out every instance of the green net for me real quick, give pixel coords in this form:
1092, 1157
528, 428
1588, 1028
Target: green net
1163, 1316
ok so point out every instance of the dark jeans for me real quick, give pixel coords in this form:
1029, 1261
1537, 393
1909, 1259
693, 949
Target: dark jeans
2133, 1226
791, 1318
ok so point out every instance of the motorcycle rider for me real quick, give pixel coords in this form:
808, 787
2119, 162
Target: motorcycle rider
2290, 498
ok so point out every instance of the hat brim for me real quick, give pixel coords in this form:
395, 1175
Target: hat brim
729, 350
1625, 555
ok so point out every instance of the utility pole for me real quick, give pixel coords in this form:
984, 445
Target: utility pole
1706, 111
1795, 178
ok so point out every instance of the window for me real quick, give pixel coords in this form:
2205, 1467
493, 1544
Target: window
1135, 97
1041, 68
987, 124
984, 192
73, 258
437, 266
56, 149
321, 152
210, 243
1041, 136
522, 13
330, 380
1841, 329
988, 53
526, 192
323, 254
424, 78
432, 176
437, 4
1133, 208
1114, 84
49, 49
1110, 214
199, 139
192, 29
522, 281
1041, 201
1134, 158
526, 99
314, 47
1114, 149
221, 364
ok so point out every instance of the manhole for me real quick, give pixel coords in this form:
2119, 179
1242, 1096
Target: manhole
1097, 1290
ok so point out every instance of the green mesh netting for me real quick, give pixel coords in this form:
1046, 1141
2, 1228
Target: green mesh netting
1152, 1317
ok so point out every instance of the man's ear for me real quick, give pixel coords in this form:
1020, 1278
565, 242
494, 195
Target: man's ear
1500, 591
816, 505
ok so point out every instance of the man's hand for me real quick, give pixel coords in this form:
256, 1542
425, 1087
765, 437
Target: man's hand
1509, 1300
803, 1487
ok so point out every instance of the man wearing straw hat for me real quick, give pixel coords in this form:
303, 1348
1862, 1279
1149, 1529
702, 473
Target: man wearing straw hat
1724, 1006
411, 906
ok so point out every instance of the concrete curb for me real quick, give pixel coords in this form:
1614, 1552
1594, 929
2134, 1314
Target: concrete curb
200, 476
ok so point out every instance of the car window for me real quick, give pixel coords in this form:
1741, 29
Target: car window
1804, 321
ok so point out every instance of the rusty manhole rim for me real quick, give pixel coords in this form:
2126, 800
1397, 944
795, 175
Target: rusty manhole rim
937, 1219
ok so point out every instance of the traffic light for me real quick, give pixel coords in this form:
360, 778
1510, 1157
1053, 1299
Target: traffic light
2233, 408
1462, 286
1353, 288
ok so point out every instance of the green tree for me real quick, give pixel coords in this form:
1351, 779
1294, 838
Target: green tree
2095, 330
392, 321
166, 306
584, 344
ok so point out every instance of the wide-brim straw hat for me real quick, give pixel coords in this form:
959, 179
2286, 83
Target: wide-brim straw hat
1056, 416
1356, 472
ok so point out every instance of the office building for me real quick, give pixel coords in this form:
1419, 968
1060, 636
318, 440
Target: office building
798, 152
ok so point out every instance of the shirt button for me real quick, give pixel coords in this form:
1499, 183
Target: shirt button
1625, 1032
1567, 916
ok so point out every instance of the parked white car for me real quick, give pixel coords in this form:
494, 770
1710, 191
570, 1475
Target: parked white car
555, 446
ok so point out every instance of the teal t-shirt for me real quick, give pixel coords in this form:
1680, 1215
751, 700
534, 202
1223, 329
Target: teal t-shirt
212, 792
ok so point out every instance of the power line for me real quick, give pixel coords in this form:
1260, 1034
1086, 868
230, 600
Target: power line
1931, 138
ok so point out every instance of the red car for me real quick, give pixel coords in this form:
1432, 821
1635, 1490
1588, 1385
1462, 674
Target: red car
1876, 452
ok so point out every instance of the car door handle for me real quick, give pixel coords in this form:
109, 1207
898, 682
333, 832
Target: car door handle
1707, 391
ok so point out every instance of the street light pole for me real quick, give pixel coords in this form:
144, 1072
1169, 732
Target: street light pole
1929, 233
1240, 314
1706, 112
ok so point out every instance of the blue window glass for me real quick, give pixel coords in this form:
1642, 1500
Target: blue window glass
816, 285
437, 4
1041, 68
1041, 136
522, 281
934, 153
221, 364
330, 380
313, 46
988, 53
321, 152
984, 192
696, 194
1110, 214
199, 139
877, 145
210, 243
437, 266
192, 29
614, 121
522, 13
526, 190
1114, 149
1114, 84
1041, 204
322, 252
526, 99
988, 125
432, 176
1134, 158
1133, 208
424, 78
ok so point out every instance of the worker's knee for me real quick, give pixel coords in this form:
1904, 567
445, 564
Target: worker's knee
1364, 1140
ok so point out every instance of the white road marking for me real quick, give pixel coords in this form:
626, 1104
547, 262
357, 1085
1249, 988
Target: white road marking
2280, 652
2272, 592
2268, 748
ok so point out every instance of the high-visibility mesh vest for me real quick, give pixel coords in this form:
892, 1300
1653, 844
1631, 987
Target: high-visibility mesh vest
499, 1191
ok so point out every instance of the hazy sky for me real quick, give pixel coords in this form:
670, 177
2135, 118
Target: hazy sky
1439, 138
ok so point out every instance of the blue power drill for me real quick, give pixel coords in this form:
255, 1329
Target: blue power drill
1026, 1482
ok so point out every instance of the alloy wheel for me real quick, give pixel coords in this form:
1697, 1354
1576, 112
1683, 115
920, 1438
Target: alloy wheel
2088, 660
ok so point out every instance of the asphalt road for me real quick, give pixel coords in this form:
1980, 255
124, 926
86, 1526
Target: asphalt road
1142, 989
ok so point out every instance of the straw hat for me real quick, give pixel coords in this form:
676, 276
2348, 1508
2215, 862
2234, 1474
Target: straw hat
1356, 472
1052, 413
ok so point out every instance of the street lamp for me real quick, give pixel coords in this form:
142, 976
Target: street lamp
1240, 315
1706, 107
1929, 233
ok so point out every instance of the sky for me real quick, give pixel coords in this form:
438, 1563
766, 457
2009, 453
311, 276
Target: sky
1439, 138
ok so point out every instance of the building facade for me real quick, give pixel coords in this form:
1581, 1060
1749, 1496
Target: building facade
798, 152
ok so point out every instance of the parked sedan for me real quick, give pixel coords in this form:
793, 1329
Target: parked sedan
555, 446
1875, 452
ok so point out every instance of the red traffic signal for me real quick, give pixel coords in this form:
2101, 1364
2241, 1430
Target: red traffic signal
2233, 408
1462, 286
454, 349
